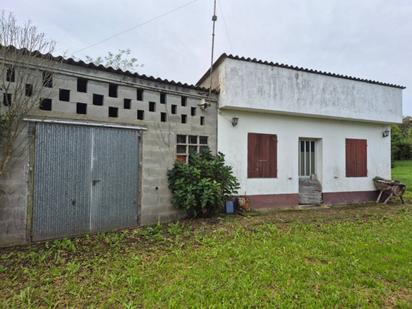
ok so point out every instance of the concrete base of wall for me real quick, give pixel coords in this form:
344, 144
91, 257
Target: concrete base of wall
278, 201
283, 201
154, 218
349, 197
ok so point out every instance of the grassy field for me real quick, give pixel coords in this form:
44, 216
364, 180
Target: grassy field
358, 256
402, 171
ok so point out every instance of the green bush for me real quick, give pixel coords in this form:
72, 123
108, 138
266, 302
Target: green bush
203, 185
401, 140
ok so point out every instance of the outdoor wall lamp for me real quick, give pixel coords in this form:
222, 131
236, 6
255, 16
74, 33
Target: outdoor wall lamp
235, 121
385, 133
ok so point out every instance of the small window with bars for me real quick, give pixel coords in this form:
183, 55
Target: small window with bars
187, 144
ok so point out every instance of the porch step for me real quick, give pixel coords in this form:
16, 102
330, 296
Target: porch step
310, 191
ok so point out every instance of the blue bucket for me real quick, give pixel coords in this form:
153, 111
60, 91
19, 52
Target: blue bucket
229, 207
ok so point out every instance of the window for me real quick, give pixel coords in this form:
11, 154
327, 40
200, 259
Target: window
140, 115
113, 112
202, 121
356, 158
47, 79
193, 139
64, 95
10, 75
184, 118
173, 109
193, 111
163, 117
203, 140
98, 99
113, 90
6, 99
81, 85
152, 106
262, 156
81, 108
181, 139
307, 157
186, 144
45, 104
163, 98
127, 103
29, 90
139, 94
183, 101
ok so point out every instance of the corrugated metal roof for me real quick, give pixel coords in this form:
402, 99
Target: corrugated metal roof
286, 66
81, 63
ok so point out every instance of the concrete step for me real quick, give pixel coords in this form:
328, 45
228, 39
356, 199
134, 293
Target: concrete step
310, 192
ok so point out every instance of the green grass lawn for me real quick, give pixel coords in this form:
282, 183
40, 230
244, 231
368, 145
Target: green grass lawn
402, 171
358, 256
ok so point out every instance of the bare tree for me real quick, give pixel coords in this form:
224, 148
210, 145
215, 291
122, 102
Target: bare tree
25, 75
120, 60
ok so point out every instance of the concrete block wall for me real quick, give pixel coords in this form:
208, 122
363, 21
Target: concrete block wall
14, 198
158, 139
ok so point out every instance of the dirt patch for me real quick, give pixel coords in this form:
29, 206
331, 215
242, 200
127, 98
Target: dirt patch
312, 260
402, 296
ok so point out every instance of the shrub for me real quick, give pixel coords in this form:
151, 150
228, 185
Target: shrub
401, 140
201, 186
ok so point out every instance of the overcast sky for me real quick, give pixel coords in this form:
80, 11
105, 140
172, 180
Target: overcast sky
364, 38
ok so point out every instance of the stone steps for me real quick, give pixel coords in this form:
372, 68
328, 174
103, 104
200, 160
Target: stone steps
310, 192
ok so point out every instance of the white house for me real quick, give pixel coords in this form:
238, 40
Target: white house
295, 135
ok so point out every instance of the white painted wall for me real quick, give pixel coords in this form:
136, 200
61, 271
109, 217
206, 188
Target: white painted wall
253, 86
232, 141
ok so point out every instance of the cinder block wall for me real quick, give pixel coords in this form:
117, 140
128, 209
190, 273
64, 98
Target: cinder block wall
158, 139
14, 196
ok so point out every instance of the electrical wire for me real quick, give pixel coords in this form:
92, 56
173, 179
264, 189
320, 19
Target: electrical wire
137, 26
225, 25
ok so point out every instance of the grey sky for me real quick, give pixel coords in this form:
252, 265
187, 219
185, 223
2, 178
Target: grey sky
363, 38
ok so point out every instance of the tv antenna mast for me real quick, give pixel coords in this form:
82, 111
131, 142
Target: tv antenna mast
214, 19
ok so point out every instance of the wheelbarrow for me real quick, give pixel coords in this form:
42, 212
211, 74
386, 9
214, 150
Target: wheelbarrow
390, 187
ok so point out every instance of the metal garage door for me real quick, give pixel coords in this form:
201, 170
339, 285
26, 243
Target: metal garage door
85, 179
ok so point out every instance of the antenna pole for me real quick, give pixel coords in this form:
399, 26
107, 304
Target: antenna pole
214, 19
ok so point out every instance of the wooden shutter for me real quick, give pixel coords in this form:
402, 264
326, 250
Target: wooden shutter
262, 155
356, 158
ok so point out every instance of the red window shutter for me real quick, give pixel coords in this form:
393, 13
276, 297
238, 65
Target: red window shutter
350, 158
362, 158
356, 158
252, 168
262, 155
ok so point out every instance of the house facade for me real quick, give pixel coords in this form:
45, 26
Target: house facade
298, 136
101, 141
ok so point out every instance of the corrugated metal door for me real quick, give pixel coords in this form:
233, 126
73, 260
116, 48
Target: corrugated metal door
114, 179
85, 179
61, 181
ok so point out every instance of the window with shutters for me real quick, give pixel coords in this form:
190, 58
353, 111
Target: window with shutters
262, 155
356, 158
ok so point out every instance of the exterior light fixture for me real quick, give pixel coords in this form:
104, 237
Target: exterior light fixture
235, 121
385, 133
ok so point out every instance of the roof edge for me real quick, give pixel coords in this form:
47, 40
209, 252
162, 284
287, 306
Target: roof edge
215, 65
109, 69
296, 68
